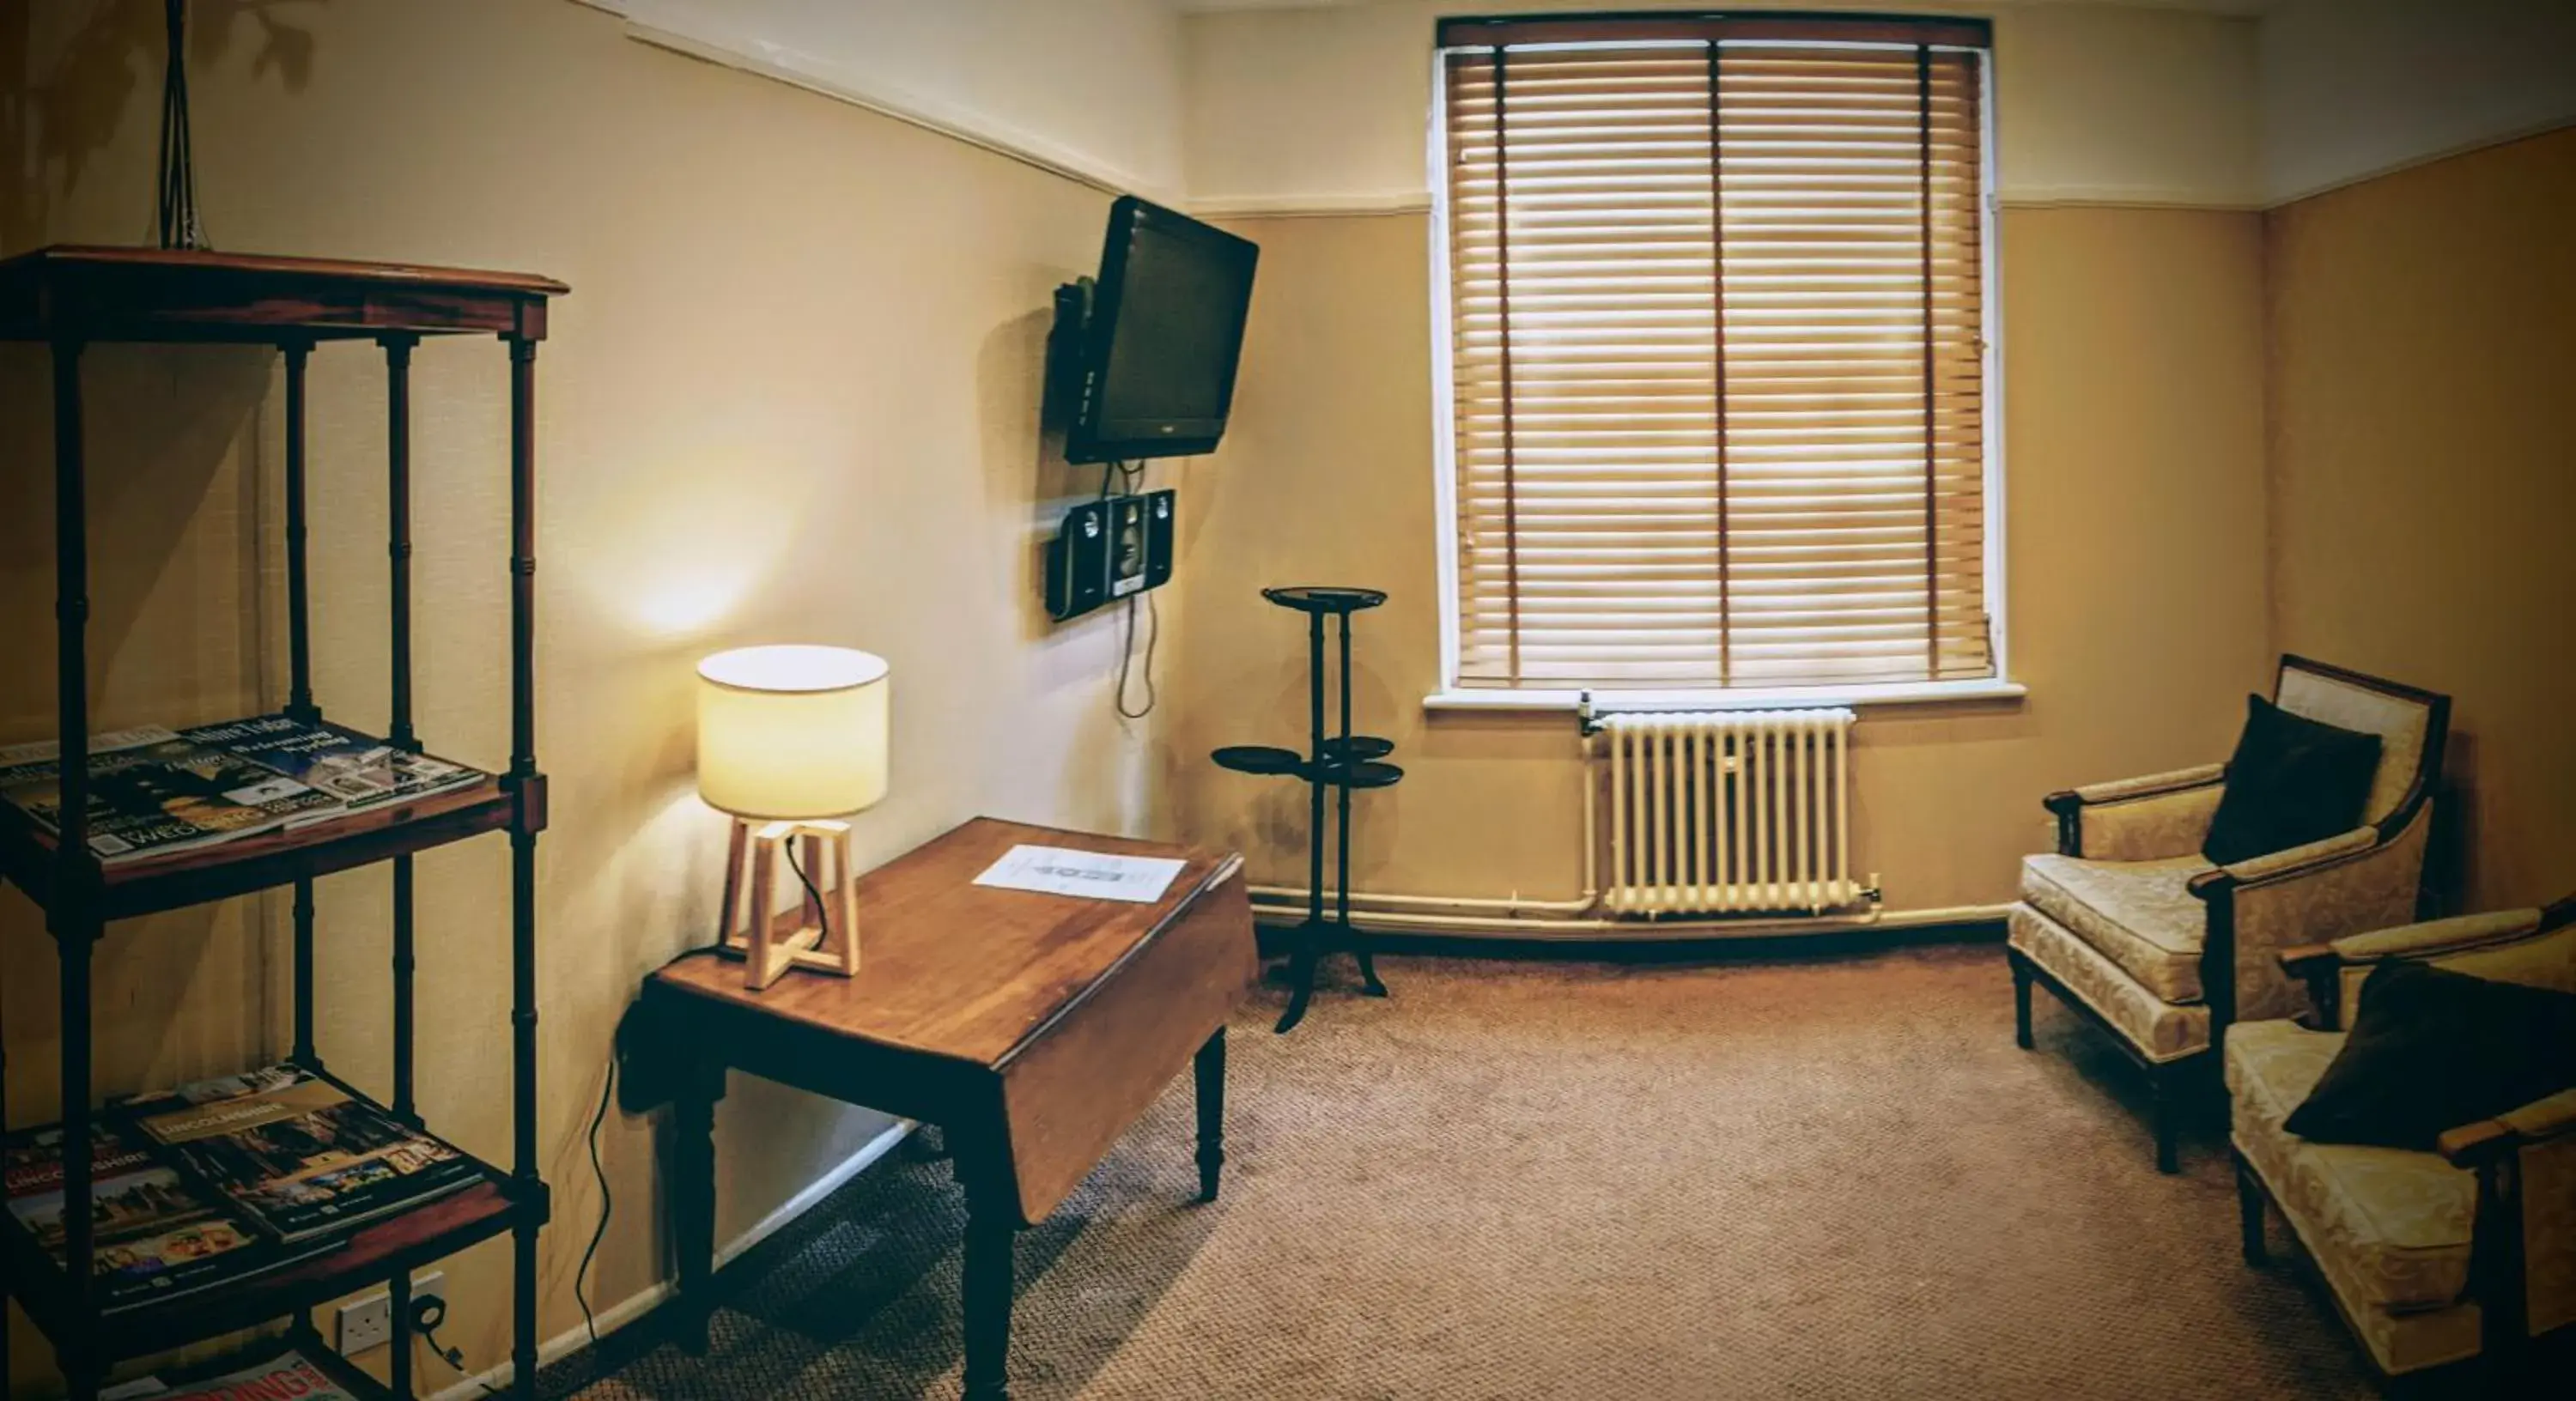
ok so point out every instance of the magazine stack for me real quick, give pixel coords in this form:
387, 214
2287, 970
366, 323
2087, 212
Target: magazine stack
219, 1181
156, 792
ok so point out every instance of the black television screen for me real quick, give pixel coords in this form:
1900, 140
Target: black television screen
1164, 336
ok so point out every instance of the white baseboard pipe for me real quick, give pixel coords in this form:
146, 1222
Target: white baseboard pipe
1513, 905
1296, 895
1543, 928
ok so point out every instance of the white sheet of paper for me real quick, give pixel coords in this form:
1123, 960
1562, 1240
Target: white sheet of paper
1091, 875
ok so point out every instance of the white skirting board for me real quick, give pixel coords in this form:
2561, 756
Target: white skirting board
643, 1301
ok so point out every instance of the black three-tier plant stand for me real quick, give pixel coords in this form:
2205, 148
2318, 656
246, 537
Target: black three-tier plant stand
1339, 763
71, 298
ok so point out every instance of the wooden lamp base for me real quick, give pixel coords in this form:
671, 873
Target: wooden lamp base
826, 937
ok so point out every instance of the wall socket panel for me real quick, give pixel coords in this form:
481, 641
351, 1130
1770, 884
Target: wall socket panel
368, 1323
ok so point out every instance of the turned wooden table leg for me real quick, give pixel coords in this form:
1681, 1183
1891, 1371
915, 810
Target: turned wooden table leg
693, 1201
1210, 1068
991, 1222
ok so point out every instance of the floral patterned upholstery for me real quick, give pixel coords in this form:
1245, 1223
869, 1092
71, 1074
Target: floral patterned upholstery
2362, 887
2393, 1232
2141, 915
2402, 724
2164, 1031
2149, 827
2399, 1220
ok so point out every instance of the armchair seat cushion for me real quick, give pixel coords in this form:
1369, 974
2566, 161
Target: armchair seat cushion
2389, 1227
2162, 1031
2141, 915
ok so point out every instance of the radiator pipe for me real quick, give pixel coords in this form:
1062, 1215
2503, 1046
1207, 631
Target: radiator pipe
1644, 931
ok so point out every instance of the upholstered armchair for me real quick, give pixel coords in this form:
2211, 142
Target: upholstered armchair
2433, 1258
2129, 926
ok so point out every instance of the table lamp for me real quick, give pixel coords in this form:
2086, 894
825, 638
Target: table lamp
791, 741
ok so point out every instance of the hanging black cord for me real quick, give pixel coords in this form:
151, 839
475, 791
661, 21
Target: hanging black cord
426, 1316
1127, 656
1130, 477
581, 1276
822, 912
599, 1116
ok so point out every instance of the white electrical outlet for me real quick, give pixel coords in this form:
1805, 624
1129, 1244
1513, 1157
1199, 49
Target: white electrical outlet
369, 1322
366, 1324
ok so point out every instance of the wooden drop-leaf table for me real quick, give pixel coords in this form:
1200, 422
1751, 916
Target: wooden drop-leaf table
1032, 1029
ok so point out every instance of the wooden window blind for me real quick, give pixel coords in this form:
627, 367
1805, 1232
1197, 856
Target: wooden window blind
1717, 349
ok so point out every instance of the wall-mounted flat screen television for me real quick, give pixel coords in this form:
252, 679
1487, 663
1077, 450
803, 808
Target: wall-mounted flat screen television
1158, 349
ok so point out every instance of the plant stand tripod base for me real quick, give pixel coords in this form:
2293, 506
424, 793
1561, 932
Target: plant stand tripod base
1315, 942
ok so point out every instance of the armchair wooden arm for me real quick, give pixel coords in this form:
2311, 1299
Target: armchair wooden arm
2103, 804
2489, 1141
2499, 1275
2321, 966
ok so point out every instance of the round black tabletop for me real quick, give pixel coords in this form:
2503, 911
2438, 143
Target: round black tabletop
1358, 747
1324, 598
1258, 759
1358, 775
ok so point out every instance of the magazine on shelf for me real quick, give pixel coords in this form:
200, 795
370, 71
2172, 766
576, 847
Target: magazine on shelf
273, 1374
152, 793
297, 1154
357, 770
156, 1235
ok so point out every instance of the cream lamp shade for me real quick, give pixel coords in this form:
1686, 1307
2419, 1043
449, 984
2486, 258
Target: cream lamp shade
792, 733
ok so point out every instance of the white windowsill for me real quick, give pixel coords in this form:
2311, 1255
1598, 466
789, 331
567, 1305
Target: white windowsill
1785, 698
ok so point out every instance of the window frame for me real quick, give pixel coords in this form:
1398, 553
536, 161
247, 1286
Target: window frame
1452, 695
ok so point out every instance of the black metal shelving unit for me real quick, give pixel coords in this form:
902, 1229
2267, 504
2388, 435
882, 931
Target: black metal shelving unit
1338, 763
70, 298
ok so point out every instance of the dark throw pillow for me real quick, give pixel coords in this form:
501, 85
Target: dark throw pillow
2293, 781
2432, 1050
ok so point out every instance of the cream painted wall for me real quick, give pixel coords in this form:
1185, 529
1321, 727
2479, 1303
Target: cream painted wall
1092, 86
2134, 439
2423, 471
1325, 108
793, 394
2357, 88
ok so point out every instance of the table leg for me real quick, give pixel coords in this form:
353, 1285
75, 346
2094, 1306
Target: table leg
693, 1200
991, 1222
1210, 1068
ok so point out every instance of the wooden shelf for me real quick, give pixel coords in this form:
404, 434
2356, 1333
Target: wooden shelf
70, 298
375, 1254
259, 862
164, 294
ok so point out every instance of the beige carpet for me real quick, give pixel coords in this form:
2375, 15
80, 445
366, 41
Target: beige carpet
1823, 1178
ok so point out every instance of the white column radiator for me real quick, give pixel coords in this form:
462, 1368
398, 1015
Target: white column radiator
1714, 812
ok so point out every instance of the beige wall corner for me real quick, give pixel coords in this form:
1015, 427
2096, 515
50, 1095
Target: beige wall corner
2423, 473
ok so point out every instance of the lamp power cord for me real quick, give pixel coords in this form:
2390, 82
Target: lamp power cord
426, 1315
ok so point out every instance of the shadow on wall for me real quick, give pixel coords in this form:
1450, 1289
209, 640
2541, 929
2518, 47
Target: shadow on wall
161, 426
1024, 460
2451, 862
177, 635
70, 111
